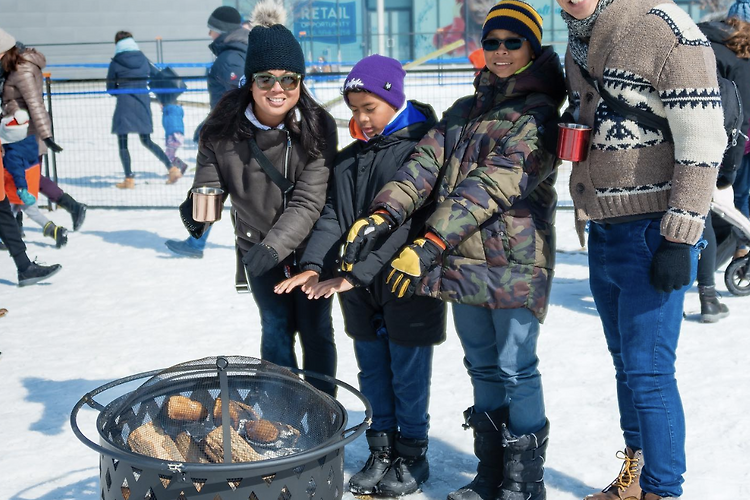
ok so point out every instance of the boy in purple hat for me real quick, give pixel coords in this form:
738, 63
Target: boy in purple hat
393, 338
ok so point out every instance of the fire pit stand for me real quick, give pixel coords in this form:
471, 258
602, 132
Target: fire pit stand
211, 447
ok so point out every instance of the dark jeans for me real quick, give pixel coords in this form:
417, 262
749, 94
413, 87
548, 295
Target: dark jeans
11, 236
122, 142
642, 328
282, 316
707, 261
395, 379
741, 187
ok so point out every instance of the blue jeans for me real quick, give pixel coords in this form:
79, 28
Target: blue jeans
500, 356
282, 316
642, 327
395, 379
199, 243
741, 186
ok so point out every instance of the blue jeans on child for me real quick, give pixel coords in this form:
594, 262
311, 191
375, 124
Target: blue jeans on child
283, 315
396, 381
642, 327
500, 356
741, 187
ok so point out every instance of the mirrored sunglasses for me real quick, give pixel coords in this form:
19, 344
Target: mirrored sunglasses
266, 81
492, 44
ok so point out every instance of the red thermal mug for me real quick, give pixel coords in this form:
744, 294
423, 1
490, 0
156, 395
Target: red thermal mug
573, 141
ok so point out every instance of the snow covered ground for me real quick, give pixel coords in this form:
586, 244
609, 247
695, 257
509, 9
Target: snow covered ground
122, 304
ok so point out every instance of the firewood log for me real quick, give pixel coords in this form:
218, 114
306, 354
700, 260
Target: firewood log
185, 409
269, 435
190, 449
151, 440
241, 450
237, 411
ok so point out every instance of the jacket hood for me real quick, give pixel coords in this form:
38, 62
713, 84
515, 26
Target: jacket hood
131, 59
234, 40
414, 127
34, 57
544, 76
717, 31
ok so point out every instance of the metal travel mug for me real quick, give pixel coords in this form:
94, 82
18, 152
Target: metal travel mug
207, 204
573, 141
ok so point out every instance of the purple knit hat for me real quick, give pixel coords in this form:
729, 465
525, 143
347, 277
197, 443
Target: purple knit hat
383, 76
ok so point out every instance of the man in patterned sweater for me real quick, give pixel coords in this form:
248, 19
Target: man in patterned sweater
646, 198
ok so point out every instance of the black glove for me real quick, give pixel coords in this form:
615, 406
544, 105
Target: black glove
362, 236
725, 179
195, 229
52, 145
410, 266
670, 267
260, 259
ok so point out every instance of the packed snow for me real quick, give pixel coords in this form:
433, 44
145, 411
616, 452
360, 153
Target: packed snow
123, 304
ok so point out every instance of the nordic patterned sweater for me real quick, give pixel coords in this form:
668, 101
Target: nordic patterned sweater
650, 54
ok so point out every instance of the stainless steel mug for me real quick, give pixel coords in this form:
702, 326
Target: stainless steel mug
207, 204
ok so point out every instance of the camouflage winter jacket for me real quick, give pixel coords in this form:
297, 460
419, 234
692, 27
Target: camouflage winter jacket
495, 199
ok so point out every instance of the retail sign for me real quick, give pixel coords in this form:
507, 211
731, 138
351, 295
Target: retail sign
328, 22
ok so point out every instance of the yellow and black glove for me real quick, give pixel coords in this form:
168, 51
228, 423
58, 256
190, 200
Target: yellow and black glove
362, 237
411, 265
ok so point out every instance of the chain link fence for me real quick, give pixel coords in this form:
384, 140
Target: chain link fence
89, 167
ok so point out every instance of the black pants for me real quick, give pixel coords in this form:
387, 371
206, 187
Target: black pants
11, 236
122, 142
707, 261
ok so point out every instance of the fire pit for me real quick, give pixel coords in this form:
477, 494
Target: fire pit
221, 428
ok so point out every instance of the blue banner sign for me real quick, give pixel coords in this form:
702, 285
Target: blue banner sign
328, 22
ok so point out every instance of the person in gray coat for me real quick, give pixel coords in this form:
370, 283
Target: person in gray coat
270, 147
127, 80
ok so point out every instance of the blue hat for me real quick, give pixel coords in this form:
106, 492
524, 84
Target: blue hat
740, 9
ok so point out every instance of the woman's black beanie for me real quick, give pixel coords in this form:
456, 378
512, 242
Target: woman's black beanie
273, 47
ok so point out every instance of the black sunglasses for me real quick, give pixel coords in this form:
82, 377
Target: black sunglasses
513, 43
266, 81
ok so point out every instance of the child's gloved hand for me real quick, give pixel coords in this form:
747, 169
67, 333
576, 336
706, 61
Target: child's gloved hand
26, 197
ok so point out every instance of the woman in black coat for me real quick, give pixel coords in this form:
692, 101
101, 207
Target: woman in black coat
127, 80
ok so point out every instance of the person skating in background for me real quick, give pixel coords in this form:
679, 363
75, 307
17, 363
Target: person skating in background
173, 121
21, 84
127, 80
28, 272
393, 338
20, 153
229, 46
646, 198
489, 245
730, 40
272, 124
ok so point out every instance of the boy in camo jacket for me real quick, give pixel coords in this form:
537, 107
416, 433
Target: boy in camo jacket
489, 244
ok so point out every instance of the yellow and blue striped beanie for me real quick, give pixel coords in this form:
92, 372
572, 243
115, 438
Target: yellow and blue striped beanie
518, 17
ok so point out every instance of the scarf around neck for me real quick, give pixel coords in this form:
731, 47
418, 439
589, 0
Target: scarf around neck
579, 32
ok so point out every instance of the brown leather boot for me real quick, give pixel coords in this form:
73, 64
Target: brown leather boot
174, 175
626, 485
128, 183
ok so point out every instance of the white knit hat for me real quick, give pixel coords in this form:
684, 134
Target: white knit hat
14, 128
7, 41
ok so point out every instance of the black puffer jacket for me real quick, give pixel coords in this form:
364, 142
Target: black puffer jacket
230, 50
128, 76
360, 170
731, 67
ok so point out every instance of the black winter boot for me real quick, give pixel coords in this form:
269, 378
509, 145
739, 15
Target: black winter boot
409, 469
488, 447
57, 233
381, 451
711, 309
36, 273
77, 210
524, 465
